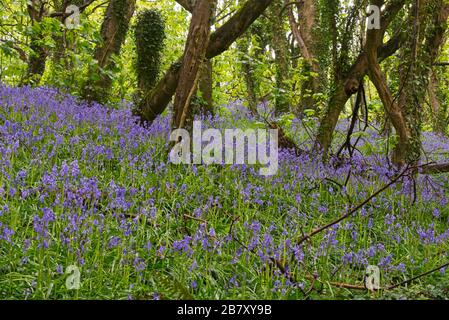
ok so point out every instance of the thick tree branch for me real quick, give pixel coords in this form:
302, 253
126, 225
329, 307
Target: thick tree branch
64, 15
186, 4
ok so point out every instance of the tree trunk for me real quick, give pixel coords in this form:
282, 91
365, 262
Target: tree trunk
204, 104
303, 34
206, 88
38, 56
247, 68
420, 51
36, 62
194, 54
280, 46
438, 111
113, 32
417, 53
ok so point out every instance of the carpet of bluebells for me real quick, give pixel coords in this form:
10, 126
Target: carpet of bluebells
87, 186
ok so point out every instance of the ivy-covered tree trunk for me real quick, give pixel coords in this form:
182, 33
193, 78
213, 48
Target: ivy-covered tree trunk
424, 38
194, 55
343, 88
38, 55
427, 27
149, 36
408, 149
113, 32
247, 67
36, 63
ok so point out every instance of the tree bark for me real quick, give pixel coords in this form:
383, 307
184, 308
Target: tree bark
303, 34
37, 10
420, 50
194, 54
374, 37
438, 111
205, 85
206, 88
247, 68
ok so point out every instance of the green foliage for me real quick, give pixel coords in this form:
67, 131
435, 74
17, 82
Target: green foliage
149, 36
119, 10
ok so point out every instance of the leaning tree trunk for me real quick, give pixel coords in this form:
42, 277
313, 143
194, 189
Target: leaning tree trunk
378, 79
419, 51
194, 54
156, 100
345, 87
113, 32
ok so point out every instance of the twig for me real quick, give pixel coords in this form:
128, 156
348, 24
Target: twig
417, 277
194, 218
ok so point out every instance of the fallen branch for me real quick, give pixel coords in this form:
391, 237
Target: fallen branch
186, 216
348, 285
355, 209
417, 277
363, 287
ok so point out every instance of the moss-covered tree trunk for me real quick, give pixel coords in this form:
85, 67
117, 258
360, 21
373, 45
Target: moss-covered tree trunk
424, 38
37, 10
113, 32
427, 27
194, 57
204, 101
149, 36
280, 46
437, 105
247, 67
